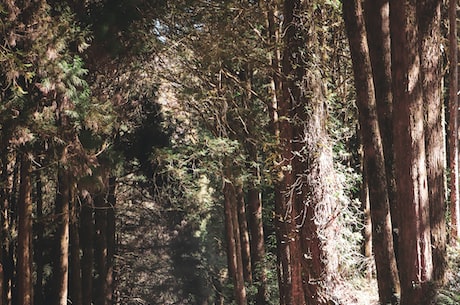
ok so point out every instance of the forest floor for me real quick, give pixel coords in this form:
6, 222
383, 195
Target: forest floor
153, 267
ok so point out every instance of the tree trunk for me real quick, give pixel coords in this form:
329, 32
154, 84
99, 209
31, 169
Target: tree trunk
235, 263
377, 19
367, 223
453, 123
62, 212
87, 247
100, 249
38, 245
410, 162
256, 230
75, 281
111, 240
374, 163
429, 18
24, 264
244, 233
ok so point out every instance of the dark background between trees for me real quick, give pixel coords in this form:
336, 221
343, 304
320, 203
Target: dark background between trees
229, 152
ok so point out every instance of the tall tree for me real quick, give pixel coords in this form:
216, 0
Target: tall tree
377, 19
453, 123
374, 164
429, 19
24, 256
416, 266
303, 195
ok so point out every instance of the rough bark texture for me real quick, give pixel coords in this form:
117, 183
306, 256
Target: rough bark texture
429, 17
374, 163
303, 196
24, 266
410, 162
453, 123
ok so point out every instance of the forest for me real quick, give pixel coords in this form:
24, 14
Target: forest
263, 152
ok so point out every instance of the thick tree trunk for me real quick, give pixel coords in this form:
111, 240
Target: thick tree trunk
24, 255
367, 223
377, 19
429, 18
62, 211
235, 262
374, 163
453, 123
87, 247
410, 163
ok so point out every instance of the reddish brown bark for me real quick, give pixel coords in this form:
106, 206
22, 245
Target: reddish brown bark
244, 234
453, 123
377, 19
416, 268
429, 18
374, 163
24, 254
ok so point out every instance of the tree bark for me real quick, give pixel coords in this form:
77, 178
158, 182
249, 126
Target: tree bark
256, 230
234, 259
453, 124
75, 281
410, 163
24, 264
62, 211
38, 245
429, 18
377, 19
111, 240
100, 248
87, 246
374, 163
244, 233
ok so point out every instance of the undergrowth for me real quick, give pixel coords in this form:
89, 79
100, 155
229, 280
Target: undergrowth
450, 293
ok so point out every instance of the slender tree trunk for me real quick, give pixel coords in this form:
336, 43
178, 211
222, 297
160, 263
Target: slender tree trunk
100, 249
111, 240
38, 247
24, 266
244, 233
256, 230
87, 246
75, 281
235, 263
367, 227
453, 123
429, 18
377, 19
374, 163
410, 163
62, 212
